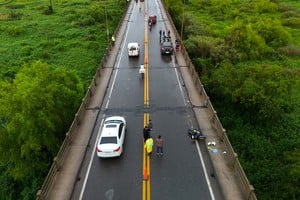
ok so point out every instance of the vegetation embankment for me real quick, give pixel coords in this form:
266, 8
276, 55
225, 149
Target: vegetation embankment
49, 54
247, 54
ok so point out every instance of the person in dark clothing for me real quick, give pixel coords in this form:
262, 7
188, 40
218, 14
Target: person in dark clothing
150, 125
146, 133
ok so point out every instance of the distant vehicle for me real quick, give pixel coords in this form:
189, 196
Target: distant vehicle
133, 49
142, 70
112, 137
166, 46
152, 19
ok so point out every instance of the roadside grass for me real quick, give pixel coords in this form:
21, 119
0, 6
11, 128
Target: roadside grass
73, 37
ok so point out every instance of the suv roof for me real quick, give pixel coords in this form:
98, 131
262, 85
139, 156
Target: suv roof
167, 44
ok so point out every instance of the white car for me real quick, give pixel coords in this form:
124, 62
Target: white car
133, 49
112, 136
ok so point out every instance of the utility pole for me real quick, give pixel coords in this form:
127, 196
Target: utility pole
106, 22
182, 20
50, 7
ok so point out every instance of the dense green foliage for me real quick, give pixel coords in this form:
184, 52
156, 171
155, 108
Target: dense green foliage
48, 56
247, 54
37, 111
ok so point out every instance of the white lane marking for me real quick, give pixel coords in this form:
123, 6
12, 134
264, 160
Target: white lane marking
118, 65
178, 80
91, 160
205, 172
197, 145
101, 124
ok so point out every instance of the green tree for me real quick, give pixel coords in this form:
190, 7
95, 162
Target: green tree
246, 40
263, 91
293, 161
36, 110
274, 34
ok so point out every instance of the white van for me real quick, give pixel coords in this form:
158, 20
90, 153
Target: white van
133, 49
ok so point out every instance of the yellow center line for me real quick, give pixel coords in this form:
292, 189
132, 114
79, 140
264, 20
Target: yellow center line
146, 158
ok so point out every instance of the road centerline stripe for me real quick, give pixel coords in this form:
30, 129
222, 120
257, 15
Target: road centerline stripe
146, 158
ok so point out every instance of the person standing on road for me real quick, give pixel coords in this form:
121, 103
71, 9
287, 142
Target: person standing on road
150, 125
159, 145
113, 40
146, 133
149, 145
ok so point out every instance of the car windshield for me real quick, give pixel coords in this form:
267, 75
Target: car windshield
132, 48
108, 140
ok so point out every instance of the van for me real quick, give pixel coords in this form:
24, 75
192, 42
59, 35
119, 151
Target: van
133, 49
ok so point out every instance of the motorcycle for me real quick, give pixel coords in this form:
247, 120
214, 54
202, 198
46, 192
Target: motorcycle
195, 134
150, 25
142, 70
177, 44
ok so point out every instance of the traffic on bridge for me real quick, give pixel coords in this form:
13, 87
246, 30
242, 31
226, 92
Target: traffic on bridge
181, 172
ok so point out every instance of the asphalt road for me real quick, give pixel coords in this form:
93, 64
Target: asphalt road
179, 174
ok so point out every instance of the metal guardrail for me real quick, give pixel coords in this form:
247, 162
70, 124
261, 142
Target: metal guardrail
60, 157
234, 164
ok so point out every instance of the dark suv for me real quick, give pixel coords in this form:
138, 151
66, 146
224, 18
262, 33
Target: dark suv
166, 46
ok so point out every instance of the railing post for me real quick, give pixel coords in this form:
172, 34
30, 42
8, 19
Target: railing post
84, 103
56, 164
68, 138
235, 157
223, 135
38, 194
251, 192
213, 118
206, 103
77, 119
201, 89
90, 92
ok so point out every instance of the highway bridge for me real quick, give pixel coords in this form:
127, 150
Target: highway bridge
172, 96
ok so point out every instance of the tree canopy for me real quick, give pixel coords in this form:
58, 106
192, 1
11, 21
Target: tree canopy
35, 113
247, 54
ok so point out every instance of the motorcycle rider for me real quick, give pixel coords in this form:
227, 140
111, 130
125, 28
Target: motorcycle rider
142, 70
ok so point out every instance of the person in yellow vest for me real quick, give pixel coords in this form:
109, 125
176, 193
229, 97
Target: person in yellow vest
113, 40
149, 145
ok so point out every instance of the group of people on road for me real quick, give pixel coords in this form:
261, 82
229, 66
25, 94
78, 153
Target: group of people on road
148, 140
164, 35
